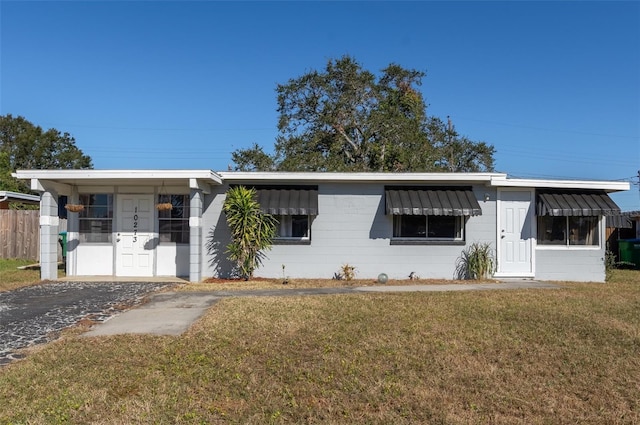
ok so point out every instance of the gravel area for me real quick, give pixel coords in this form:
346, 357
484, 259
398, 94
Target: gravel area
36, 314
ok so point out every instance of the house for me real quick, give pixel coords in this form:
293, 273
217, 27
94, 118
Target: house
393, 223
7, 197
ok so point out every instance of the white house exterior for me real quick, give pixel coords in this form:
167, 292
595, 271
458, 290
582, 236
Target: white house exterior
393, 223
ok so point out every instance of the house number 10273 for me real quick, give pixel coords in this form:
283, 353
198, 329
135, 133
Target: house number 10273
135, 224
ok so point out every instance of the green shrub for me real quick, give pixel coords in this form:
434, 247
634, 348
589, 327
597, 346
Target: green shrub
477, 261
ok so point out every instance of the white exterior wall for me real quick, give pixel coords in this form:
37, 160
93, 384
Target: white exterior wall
352, 228
172, 259
94, 260
584, 265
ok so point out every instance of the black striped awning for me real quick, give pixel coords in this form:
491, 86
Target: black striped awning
575, 203
288, 201
455, 201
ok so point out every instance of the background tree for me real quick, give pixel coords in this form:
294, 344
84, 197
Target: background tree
457, 153
24, 145
252, 232
346, 119
252, 159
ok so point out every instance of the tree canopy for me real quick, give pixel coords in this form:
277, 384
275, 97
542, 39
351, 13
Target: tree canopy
344, 118
24, 145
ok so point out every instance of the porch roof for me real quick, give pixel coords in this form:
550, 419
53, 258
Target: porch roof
63, 180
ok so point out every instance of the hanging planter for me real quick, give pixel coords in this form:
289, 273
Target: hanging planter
74, 207
164, 206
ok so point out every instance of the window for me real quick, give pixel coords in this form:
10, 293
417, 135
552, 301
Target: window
173, 224
96, 219
292, 227
429, 227
568, 231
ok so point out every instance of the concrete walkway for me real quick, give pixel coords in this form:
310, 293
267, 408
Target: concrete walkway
172, 313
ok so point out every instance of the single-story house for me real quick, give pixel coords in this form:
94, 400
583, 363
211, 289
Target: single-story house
7, 197
392, 223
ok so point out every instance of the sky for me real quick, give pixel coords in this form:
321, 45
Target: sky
553, 86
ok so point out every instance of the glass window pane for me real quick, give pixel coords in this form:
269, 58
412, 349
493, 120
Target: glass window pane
174, 223
583, 231
552, 230
95, 221
292, 226
300, 226
441, 226
410, 226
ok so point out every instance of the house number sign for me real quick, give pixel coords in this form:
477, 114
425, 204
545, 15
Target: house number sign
135, 224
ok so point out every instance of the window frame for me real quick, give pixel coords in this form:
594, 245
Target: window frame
460, 229
292, 240
185, 232
106, 222
566, 243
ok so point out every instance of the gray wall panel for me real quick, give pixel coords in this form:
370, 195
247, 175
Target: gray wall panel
352, 228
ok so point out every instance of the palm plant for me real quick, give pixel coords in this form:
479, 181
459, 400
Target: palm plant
252, 232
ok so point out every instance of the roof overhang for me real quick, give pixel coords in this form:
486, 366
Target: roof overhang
608, 186
311, 177
6, 195
63, 180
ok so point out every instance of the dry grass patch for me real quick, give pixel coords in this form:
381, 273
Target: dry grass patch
527, 357
214, 284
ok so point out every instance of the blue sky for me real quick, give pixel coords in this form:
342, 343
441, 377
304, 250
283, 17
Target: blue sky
553, 86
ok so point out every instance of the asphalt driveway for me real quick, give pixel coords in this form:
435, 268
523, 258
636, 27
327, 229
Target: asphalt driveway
36, 314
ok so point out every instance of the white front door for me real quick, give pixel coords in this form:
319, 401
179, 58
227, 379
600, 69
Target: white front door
515, 233
134, 235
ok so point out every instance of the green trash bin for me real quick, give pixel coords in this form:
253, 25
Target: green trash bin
629, 251
63, 243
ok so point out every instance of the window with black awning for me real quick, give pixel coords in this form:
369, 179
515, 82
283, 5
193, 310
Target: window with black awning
571, 217
430, 214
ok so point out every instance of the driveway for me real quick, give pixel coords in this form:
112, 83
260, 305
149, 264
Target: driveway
36, 314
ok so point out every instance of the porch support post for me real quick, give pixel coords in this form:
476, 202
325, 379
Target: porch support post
49, 235
195, 235
73, 234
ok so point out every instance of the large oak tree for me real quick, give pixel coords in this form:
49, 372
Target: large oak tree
344, 118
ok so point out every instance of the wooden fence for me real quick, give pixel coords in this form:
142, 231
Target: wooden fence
20, 234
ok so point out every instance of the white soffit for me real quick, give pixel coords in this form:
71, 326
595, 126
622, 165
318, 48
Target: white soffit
274, 177
93, 176
612, 186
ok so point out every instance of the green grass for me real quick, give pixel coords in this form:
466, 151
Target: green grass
553, 356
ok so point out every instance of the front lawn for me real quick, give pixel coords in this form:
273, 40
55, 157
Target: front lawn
12, 278
544, 356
